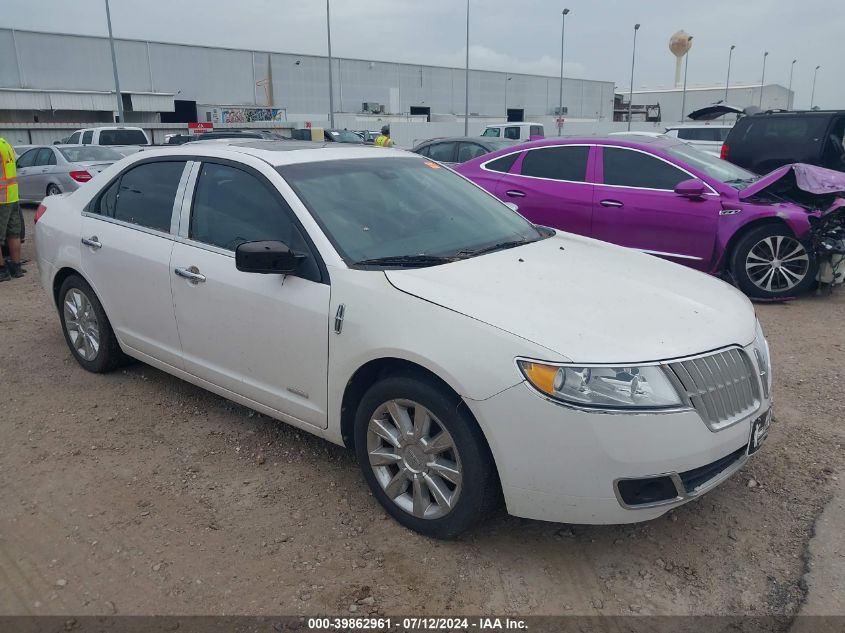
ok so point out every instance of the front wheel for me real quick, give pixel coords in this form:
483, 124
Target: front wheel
424, 457
769, 262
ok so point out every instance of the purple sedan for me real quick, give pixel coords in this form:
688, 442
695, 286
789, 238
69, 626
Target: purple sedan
663, 197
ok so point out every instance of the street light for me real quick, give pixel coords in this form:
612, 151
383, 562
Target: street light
763, 78
466, 82
331, 83
560, 96
813, 93
633, 57
114, 68
789, 93
686, 67
728, 78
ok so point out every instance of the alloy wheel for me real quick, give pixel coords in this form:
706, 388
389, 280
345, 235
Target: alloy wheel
53, 190
414, 458
777, 263
81, 324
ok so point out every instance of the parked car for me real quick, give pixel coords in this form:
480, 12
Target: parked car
342, 136
369, 136
460, 149
48, 170
235, 135
663, 197
515, 131
707, 137
123, 139
376, 299
766, 141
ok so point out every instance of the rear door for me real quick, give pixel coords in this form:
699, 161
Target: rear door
25, 169
264, 337
39, 173
636, 206
550, 186
128, 232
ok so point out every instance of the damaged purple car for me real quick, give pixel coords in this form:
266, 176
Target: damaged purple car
776, 235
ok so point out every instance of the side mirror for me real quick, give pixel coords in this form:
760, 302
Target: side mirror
692, 188
267, 258
512, 206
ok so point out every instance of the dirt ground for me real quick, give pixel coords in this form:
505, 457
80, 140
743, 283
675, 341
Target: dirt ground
136, 493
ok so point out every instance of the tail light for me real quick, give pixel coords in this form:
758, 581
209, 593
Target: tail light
40, 211
80, 176
723, 153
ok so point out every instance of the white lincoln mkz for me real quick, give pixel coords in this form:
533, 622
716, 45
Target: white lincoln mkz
381, 301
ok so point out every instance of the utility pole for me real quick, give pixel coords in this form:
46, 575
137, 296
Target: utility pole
114, 68
633, 59
728, 78
331, 83
560, 99
789, 95
763, 78
466, 82
686, 68
813, 93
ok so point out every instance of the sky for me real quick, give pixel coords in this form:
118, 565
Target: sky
505, 35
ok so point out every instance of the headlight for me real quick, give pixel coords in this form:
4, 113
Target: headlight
761, 348
645, 387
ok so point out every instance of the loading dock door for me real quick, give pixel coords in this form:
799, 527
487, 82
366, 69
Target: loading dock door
516, 115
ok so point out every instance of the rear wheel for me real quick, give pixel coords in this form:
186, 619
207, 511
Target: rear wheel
424, 457
53, 190
87, 330
769, 262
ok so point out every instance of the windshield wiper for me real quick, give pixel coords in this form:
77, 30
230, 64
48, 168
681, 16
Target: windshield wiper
410, 261
494, 247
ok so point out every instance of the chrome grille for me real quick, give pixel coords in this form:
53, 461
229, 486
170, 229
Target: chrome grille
723, 387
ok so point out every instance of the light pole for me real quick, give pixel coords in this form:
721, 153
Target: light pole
507, 79
331, 83
114, 68
813, 93
728, 78
686, 68
466, 82
763, 78
560, 95
633, 58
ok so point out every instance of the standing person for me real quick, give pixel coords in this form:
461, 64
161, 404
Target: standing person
10, 216
383, 139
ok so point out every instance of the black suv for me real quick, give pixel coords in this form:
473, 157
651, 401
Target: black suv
762, 142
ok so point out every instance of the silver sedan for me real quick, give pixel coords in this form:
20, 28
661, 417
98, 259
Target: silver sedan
47, 170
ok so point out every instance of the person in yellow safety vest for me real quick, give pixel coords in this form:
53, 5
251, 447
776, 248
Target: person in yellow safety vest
10, 216
383, 139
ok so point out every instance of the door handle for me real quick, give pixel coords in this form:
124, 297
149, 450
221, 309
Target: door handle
611, 203
192, 274
45, 170
515, 193
92, 241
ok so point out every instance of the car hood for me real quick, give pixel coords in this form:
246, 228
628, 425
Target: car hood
807, 178
589, 301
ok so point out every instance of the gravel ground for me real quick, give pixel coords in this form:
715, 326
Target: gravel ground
136, 493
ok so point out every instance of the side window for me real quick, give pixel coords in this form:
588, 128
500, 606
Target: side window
27, 159
74, 139
536, 130
564, 162
695, 134
512, 133
444, 152
628, 168
87, 136
231, 207
468, 151
44, 156
503, 163
423, 151
144, 195
492, 131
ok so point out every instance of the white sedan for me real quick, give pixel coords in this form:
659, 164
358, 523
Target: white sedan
376, 299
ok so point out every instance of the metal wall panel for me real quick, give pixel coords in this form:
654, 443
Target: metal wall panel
9, 76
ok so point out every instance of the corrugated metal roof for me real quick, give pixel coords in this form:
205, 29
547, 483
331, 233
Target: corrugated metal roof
89, 100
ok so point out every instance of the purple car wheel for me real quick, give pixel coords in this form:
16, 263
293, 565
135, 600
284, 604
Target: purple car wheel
770, 262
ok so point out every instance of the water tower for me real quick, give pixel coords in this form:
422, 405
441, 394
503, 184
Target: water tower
679, 44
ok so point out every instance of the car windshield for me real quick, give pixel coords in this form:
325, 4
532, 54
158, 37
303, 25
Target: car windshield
344, 136
721, 170
491, 131
89, 154
373, 208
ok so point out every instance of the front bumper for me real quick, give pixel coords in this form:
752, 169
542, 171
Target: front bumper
561, 464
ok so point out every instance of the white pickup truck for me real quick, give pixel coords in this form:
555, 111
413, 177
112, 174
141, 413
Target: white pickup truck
126, 140
515, 131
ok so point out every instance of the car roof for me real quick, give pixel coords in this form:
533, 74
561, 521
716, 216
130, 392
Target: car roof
276, 152
680, 126
469, 139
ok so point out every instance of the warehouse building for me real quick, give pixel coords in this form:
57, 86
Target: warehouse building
54, 78
671, 100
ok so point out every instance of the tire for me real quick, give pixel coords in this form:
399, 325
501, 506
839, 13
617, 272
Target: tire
769, 262
428, 498
53, 190
89, 336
